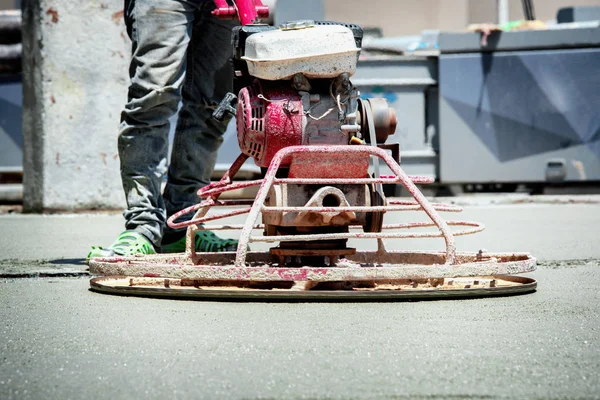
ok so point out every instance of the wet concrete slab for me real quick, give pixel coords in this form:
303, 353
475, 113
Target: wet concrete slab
59, 340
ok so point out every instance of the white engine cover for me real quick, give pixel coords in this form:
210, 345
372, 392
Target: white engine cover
321, 51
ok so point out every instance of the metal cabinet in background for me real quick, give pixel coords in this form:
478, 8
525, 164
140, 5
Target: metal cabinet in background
525, 108
11, 137
11, 97
409, 84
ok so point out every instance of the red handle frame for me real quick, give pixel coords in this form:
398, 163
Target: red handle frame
247, 11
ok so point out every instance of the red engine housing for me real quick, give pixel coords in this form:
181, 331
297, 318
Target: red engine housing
274, 113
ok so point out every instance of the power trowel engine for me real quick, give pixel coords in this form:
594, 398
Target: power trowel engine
298, 92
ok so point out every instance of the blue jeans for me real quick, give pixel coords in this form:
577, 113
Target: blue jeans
179, 52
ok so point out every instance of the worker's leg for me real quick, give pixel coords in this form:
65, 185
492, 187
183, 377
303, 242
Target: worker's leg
160, 32
198, 136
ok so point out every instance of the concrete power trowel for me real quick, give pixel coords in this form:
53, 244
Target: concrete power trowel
319, 145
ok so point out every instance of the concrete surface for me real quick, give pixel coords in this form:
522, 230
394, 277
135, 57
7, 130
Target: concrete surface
560, 230
75, 63
59, 340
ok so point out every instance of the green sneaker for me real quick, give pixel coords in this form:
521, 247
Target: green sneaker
206, 242
128, 243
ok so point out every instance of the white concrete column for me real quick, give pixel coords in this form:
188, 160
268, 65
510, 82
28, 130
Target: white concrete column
75, 63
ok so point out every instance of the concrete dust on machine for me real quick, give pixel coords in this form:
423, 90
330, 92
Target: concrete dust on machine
319, 145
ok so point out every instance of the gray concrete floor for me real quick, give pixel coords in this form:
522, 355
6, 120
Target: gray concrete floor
59, 340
